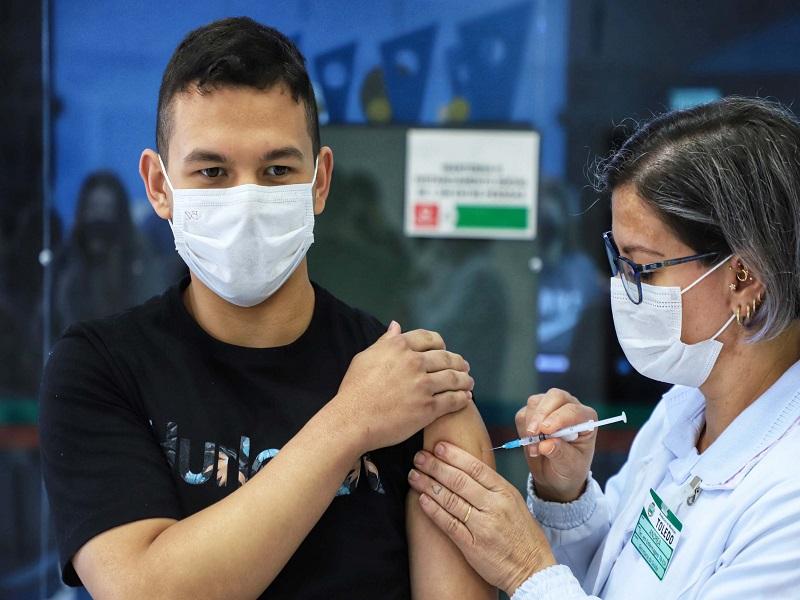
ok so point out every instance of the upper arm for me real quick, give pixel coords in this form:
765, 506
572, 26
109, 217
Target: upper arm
102, 463
438, 569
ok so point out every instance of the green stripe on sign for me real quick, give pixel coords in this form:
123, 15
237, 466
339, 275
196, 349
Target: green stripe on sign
492, 217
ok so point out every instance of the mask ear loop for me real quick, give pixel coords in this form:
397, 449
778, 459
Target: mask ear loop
706, 274
164, 170
314, 181
724, 327
171, 189
703, 276
316, 165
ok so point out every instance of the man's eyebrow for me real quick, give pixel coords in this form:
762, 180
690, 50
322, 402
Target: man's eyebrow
285, 152
200, 155
636, 248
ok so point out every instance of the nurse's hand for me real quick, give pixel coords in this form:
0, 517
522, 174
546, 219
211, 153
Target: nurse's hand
559, 468
483, 514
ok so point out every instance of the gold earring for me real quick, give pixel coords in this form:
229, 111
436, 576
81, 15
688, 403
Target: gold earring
738, 316
747, 317
743, 274
732, 286
754, 306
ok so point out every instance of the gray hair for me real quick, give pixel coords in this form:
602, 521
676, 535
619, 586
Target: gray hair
725, 177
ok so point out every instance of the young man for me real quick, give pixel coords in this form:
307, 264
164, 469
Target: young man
246, 434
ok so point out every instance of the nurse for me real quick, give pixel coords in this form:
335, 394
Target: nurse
705, 292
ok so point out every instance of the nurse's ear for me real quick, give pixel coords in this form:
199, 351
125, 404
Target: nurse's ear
322, 186
155, 183
747, 290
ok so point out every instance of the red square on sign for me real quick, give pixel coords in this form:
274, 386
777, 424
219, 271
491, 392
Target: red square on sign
426, 215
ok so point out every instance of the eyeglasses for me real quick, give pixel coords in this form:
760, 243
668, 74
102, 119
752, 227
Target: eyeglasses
630, 273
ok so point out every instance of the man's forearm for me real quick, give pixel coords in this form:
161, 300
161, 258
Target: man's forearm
236, 547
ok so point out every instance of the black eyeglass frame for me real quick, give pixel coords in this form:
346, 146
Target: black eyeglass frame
614, 258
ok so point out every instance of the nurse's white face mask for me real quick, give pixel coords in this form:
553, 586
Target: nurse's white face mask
650, 334
243, 242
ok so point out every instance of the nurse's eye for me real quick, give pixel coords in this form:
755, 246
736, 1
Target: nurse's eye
277, 171
212, 172
646, 276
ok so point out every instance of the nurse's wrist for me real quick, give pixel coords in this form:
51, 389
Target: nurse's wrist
539, 560
556, 581
564, 515
562, 495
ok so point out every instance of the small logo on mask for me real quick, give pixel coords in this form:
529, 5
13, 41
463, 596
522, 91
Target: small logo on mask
191, 215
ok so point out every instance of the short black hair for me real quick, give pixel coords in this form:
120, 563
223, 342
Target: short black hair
236, 51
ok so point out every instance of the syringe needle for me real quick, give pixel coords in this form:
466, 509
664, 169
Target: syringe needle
568, 434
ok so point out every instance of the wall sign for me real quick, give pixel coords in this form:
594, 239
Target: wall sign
468, 183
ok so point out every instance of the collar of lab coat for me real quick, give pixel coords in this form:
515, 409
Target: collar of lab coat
741, 445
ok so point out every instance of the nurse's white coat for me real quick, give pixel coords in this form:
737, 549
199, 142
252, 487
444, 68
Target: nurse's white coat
740, 539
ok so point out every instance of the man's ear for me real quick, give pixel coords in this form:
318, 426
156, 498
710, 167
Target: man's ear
155, 184
324, 173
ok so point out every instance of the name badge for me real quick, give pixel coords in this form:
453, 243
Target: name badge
656, 534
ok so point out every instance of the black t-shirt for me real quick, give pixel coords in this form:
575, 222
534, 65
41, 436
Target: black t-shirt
145, 415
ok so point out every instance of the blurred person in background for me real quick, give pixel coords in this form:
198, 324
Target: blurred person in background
474, 319
570, 287
355, 226
106, 265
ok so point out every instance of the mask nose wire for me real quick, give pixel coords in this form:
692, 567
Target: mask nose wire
706, 274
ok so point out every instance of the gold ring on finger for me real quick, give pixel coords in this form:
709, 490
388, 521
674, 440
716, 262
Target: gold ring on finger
466, 517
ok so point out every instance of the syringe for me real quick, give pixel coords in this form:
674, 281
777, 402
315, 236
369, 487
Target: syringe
568, 434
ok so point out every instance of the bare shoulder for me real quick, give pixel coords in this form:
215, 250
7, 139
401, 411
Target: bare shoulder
465, 429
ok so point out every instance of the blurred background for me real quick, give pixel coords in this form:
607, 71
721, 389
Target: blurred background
78, 238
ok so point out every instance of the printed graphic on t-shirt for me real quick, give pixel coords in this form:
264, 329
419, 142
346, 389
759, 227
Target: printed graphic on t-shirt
217, 459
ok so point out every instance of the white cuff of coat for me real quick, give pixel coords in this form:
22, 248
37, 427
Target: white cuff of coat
564, 515
553, 582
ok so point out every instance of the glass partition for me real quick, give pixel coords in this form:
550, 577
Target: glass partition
79, 240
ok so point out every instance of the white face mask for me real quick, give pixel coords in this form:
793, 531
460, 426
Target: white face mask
650, 334
243, 242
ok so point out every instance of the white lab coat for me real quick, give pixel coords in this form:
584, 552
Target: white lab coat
741, 537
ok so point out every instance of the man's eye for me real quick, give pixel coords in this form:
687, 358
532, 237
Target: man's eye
277, 171
212, 172
646, 276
